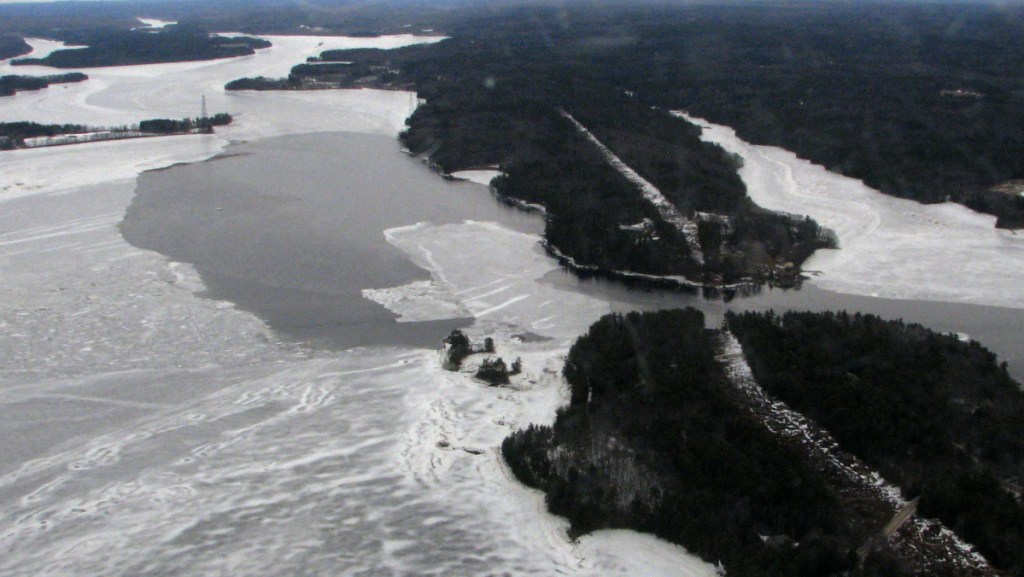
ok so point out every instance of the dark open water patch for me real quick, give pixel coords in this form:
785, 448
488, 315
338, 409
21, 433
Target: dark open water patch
999, 329
291, 229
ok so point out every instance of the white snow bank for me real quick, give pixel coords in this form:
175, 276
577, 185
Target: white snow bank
648, 556
154, 23
479, 176
888, 247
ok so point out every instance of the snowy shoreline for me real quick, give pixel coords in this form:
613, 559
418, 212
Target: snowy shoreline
175, 419
159, 431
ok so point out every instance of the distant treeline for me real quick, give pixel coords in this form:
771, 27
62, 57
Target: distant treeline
168, 126
18, 131
13, 134
115, 47
656, 438
934, 415
11, 84
370, 68
11, 46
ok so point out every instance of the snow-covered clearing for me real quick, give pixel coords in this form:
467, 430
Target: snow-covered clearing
668, 211
482, 176
888, 247
154, 23
150, 431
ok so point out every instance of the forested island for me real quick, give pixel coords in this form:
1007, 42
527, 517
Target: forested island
11, 84
14, 135
669, 432
117, 47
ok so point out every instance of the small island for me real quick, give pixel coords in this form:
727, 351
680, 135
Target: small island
12, 84
490, 370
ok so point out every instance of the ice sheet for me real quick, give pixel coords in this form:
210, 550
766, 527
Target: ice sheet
124, 95
155, 23
152, 432
888, 247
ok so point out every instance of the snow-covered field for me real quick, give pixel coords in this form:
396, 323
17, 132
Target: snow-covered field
888, 247
149, 431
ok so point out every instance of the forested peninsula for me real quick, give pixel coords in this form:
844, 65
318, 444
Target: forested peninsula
807, 444
11, 46
117, 47
629, 190
14, 135
921, 101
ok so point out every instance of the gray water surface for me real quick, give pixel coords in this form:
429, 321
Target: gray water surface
999, 329
292, 229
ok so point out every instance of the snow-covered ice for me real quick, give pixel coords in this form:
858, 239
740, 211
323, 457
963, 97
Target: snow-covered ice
154, 23
34, 171
149, 431
482, 176
124, 95
419, 301
41, 48
888, 247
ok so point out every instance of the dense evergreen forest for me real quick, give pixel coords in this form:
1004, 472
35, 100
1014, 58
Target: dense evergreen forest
11, 46
11, 84
654, 439
657, 438
114, 47
934, 415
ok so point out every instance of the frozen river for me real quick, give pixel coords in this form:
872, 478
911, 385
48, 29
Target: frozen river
153, 425
190, 402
